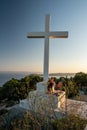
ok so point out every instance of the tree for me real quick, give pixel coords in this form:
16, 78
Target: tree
9, 88
81, 79
69, 86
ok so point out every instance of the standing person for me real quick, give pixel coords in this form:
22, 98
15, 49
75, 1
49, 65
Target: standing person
58, 86
51, 85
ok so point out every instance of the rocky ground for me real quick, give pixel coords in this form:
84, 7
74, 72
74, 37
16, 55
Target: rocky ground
75, 107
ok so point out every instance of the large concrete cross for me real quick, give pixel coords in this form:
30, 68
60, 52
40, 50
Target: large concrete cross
47, 34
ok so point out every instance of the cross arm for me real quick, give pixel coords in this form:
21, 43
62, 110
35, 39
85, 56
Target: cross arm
36, 35
59, 34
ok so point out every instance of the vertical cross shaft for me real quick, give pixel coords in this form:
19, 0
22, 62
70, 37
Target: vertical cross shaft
46, 49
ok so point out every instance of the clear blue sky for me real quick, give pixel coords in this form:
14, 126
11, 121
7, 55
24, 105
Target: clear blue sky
18, 17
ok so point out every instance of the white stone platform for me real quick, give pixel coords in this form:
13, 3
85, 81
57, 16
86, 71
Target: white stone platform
41, 101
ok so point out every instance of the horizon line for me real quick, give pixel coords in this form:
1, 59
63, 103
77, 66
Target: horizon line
42, 72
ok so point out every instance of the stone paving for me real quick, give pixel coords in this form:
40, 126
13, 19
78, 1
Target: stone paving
85, 128
75, 107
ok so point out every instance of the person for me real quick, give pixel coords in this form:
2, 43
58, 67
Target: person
58, 86
51, 85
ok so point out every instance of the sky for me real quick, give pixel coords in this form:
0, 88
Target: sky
19, 17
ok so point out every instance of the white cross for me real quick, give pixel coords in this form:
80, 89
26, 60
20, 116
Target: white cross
47, 34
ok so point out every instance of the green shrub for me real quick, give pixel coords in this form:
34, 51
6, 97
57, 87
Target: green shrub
3, 111
71, 122
10, 103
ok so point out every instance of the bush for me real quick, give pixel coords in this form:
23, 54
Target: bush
71, 122
3, 111
10, 103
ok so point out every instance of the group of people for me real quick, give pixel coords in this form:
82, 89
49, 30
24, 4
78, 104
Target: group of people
54, 87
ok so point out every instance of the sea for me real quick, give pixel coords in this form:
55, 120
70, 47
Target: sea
6, 76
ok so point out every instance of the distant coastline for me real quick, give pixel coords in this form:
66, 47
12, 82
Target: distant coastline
61, 74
